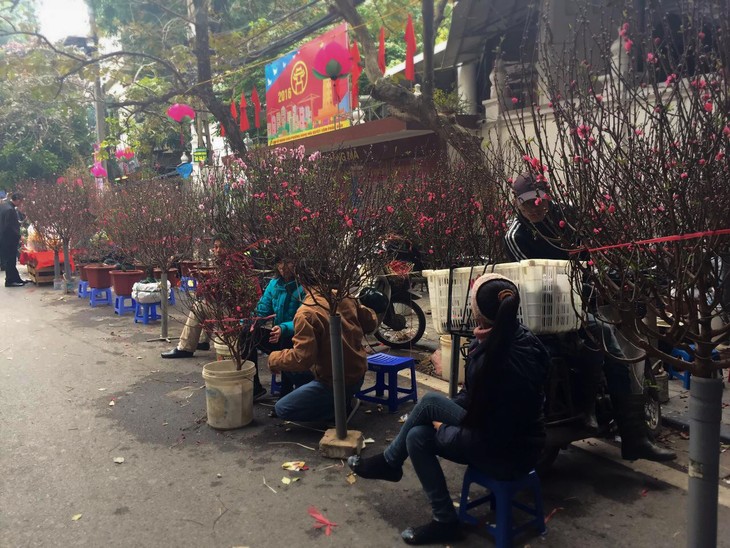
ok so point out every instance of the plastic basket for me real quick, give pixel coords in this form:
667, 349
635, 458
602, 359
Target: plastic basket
545, 295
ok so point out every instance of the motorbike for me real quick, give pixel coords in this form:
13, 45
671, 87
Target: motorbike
402, 321
566, 396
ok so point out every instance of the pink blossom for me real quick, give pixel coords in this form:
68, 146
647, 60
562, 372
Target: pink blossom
684, 175
651, 58
623, 31
639, 132
708, 106
599, 98
561, 224
269, 218
726, 131
670, 79
719, 156
583, 131
390, 209
701, 35
702, 161
515, 100
612, 208
284, 184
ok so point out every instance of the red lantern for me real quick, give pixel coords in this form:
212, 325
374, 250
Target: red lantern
181, 113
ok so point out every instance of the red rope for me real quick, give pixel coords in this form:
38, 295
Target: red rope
675, 238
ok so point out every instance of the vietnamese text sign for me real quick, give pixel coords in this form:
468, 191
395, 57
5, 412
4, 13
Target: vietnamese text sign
298, 104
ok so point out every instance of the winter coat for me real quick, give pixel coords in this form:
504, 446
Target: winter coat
9, 225
281, 299
512, 432
311, 349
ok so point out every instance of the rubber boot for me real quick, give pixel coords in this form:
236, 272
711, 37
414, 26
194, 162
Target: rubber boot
635, 442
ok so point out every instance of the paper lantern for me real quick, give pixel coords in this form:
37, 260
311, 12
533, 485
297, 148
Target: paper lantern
181, 112
97, 170
332, 61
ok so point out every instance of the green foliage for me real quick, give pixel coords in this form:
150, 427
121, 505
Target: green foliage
44, 128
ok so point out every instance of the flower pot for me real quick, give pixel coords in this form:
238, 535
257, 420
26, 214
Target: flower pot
98, 275
82, 272
187, 266
172, 276
122, 281
229, 394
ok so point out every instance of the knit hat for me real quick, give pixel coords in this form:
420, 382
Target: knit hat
526, 187
489, 309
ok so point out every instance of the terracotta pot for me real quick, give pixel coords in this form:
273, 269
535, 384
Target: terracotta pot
172, 276
82, 271
98, 275
122, 281
186, 266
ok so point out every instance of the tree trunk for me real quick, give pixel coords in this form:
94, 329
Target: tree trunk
204, 89
164, 301
57, 280
338, 376
705, 414
68, 286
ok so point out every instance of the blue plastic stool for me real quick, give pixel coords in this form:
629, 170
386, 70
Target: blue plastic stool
100, 296
83, 290
146, 313
685, 356
501, 502
120, 306
188, 283
385, 363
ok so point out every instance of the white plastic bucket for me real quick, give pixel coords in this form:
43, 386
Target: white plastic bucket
445, 341
229, 394
222, 352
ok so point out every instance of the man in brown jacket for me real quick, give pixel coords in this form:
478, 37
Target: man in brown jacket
314, 402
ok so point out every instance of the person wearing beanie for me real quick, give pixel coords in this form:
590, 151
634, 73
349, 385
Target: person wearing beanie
495, 424
537, 233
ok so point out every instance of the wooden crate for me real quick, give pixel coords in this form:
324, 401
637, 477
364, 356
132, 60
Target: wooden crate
43, 275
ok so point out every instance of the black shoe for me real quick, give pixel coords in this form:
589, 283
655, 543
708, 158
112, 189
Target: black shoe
435, 532
177, 353
633, 449
26, 281
14, 284
203, 346
259, 393
375, 467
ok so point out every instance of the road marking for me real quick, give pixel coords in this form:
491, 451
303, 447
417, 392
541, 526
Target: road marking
653, 469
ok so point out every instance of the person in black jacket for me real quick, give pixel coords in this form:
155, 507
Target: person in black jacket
495, 423
10, 239
538, 233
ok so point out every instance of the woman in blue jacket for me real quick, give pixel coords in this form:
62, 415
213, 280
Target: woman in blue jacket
281, 299
495, 423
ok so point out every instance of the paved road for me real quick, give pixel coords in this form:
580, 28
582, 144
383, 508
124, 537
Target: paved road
183, 484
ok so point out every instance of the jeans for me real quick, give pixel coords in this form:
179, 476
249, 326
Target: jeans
312, 402
417, 439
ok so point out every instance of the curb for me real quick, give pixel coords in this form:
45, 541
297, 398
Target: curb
680, 422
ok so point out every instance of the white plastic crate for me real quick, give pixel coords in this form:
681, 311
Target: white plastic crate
545, 295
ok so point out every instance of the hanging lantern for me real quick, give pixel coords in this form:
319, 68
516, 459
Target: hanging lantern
181, 113
97, 170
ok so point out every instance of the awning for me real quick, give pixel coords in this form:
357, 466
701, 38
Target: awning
473, 22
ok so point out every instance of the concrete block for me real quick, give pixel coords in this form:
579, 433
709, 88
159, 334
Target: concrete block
333, 448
